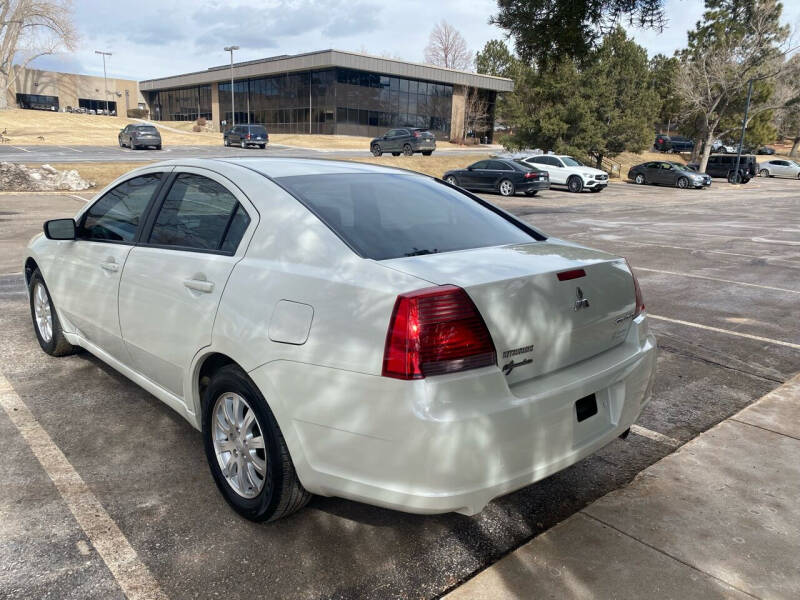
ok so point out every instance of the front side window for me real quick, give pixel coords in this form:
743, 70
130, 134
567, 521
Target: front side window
481, 164
384, 216
116, 216
199, 214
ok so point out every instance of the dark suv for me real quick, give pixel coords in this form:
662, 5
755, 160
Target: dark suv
722, 165
246, 135
406, 140
674, 143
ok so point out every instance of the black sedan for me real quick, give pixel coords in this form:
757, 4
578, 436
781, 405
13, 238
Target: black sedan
668, 173
503, 176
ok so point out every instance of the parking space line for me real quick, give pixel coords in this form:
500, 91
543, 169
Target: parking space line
757, 338
131, 574
655, 436
77, 197
756, 285
68, 148
23, 149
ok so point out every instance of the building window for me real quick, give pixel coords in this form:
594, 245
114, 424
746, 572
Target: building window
37, 102
97, 105
183, 104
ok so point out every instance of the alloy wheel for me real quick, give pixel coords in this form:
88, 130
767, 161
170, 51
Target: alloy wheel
683, 183
408, 150
43, 312
639, 179
451, 180
506, 188
239, 445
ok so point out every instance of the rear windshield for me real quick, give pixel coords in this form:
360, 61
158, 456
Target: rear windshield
383, 216
147, 129
257, 130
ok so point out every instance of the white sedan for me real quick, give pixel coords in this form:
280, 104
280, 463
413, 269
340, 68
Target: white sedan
569, 171
779, 167
348, 330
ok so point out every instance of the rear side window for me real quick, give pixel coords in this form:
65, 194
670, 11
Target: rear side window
383, 216
116, 216
199, 214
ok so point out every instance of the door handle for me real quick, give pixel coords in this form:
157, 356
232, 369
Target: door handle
109, 266
199, 285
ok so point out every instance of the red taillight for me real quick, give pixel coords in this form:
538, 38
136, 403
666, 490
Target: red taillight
573, 274
637, 292
435, 331
247, 136
531, 175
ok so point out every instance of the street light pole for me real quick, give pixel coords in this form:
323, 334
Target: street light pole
744, 128
233, 110
105, 79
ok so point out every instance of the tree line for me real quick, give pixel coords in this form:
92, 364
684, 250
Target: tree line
590, 89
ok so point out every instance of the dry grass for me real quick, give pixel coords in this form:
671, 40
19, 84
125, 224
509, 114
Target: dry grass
429, 165
26, 127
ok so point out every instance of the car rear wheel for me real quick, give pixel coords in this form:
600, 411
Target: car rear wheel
574, 184
158, 147
262, 146
531, 192
408, 150
683, 183
376, 150
427, 153
506, 188
246, 451
764, 173
226, 142
639, 179
45, 320
243, 144
395, 154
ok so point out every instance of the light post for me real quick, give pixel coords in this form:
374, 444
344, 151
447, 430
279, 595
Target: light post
736, 176
233, 111
105, 79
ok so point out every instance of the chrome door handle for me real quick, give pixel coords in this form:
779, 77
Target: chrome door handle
199, 285
109, 266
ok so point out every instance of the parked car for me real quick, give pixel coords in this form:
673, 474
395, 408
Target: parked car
673, 143
347, 330
569, 171
503, 176
722, 147
766, 150
723, 165
246, 135
779, 168
668, 173
139, 136
407, 140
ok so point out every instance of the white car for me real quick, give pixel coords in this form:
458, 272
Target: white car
569, 171
348, 330
722, 148
779, 167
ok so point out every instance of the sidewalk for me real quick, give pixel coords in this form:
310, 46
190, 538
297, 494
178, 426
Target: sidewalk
719, 518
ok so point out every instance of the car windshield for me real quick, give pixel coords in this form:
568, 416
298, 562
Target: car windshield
383, 216
571, 162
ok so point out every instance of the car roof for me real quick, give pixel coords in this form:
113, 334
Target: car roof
276, 167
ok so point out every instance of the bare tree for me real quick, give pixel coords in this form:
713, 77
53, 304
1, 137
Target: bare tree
30, 29
712, 82
476, 114
787, 90
447, 48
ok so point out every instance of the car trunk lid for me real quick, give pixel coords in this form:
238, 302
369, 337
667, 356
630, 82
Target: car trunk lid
531, 312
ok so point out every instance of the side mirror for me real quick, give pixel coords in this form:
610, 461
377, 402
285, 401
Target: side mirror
469, 168
60, 229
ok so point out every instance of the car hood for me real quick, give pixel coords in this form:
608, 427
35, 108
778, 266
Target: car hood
585, 169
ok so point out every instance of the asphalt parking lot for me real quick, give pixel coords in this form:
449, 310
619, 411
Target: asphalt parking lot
720, 272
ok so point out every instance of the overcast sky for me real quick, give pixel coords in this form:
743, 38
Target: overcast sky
154, 38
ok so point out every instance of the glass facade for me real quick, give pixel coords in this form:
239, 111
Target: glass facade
183, 104
37, 101
334, 100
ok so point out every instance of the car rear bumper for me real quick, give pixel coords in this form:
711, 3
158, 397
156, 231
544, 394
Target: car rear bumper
454, 442
533, 185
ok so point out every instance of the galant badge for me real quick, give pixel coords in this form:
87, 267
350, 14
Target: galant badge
581, 302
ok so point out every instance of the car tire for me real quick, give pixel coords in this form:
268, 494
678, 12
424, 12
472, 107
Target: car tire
574, 184
376, 150
45, 319
451, 180
639, 179
427, 153
506, 188
262, 146
281, 492
226, 142
763, 173
121, 145
395, 154
531, 193
243, 144
798, 175
596, 190
682, 183
408, 150
158, 147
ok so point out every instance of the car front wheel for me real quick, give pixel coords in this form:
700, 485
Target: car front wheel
574, 184
683, 183
451, 180
246, 451
376, 150
45, 320
639, 179
506, 188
